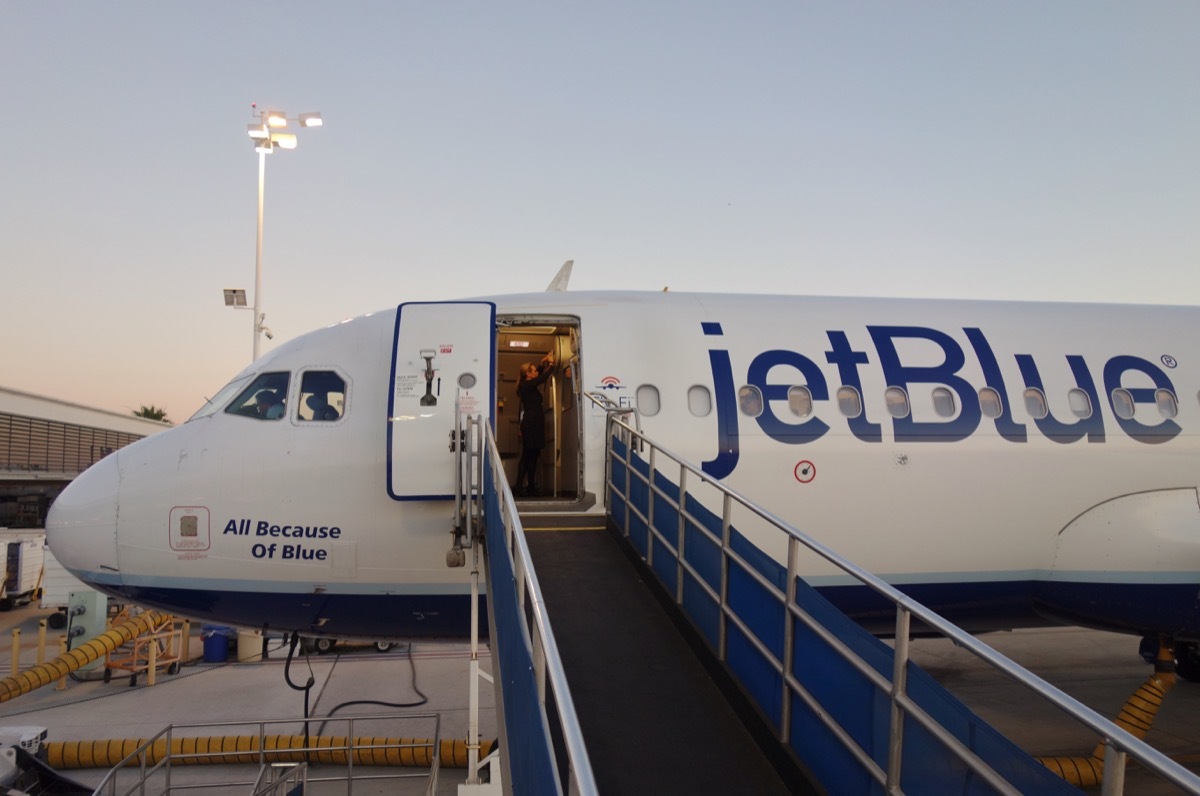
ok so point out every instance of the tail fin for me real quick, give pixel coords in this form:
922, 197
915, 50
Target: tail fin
559, 283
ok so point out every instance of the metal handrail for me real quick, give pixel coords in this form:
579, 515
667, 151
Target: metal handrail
1118, 741
280, 777
548, 666
612, 409
137, 765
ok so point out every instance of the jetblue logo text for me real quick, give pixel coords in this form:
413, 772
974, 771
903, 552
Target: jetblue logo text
774, 372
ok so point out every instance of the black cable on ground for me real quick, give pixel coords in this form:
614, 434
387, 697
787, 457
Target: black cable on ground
307, 687
413, 684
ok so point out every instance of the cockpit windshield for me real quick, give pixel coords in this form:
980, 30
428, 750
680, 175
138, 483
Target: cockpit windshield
214, 404
265, 398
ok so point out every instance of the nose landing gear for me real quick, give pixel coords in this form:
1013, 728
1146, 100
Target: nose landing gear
1187, 660
1186, 655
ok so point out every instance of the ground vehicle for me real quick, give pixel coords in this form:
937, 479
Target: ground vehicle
324, 644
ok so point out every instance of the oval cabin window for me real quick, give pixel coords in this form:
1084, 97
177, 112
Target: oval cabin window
648, 403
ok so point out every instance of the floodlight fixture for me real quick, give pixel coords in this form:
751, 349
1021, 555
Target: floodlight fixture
266, 140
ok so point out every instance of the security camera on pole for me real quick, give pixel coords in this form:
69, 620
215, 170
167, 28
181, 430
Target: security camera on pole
266, 140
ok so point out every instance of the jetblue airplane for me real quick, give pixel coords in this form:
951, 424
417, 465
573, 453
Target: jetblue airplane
1008, 464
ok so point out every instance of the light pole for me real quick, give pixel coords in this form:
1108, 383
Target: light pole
267, 139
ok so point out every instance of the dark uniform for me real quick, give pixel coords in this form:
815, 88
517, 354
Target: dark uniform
533, 428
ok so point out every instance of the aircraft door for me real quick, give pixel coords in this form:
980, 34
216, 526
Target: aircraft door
443, 351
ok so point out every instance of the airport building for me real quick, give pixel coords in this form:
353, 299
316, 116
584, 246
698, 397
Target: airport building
46, 442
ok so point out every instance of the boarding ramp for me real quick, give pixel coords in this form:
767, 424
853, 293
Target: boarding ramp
856, 712
540, 736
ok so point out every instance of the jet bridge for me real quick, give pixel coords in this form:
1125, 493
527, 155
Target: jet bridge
601, 691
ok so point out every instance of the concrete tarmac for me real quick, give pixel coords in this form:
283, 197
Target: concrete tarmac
1099, 669
425, 681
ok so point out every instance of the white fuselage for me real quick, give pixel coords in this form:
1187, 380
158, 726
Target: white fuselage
944, 479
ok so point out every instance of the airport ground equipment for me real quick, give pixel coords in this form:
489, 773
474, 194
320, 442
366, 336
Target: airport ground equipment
157, 649
29, 737
24, 552
325, 644
88, 652
57, 585
87, 618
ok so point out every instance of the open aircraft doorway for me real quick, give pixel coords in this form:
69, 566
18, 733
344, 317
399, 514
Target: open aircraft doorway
525, 340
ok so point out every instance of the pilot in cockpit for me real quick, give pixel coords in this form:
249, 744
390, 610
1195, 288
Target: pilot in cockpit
270, 407
318, 404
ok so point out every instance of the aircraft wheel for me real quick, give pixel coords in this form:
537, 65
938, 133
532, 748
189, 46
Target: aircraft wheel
56, 620
384, 646
324, 645
1187, 662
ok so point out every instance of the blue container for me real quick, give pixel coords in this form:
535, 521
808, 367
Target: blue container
216, 643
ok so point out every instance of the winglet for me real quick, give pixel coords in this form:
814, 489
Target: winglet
559, 283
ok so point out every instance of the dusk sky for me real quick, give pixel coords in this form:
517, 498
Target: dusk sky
1016, 150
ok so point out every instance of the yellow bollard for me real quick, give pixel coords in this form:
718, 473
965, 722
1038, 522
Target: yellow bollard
41, 649
62, 650
16, 652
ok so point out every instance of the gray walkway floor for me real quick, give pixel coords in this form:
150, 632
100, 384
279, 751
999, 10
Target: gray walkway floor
652, 717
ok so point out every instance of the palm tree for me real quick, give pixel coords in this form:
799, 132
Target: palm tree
152, 412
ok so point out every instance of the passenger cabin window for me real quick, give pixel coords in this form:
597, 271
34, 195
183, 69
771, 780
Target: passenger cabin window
1168, 406
750, 401
264, 399
1035, 403
1081, 404
944, 403
1122, 403
322, 396
897, 401
699, 401
648, 401
800, 401
849, 401
990, 403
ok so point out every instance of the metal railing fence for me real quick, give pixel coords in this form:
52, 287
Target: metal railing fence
642, 499
538, 709
154, 767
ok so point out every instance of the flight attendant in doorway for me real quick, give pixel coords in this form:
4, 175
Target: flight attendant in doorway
533, 422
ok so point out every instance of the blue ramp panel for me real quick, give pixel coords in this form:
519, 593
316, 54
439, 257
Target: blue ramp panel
531, 766
843, 692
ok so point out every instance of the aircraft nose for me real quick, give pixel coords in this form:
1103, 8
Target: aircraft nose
81, 527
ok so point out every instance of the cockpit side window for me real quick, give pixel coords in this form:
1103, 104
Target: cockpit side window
264, 399
322, 397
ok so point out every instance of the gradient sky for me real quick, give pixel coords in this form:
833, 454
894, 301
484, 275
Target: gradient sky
1016, 150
